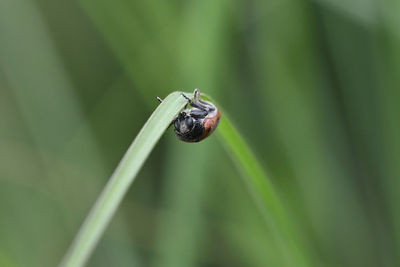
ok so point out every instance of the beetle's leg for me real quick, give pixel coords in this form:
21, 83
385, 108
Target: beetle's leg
198, 113
206, 105
198, 103
196, 95
194, 103
203, 106
187, 98
159, 99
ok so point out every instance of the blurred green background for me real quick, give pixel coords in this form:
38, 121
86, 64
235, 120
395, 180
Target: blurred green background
312, 85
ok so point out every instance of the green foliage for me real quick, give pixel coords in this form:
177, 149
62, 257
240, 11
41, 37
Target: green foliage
264, 194
134, 158
312, 87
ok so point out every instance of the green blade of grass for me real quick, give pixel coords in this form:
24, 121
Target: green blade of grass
263, 193
259, 184
108, 201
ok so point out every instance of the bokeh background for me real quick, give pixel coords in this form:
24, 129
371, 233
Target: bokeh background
312, 85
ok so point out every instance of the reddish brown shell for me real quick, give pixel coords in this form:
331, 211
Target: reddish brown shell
210, 124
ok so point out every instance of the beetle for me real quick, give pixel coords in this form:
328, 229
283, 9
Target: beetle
198, 122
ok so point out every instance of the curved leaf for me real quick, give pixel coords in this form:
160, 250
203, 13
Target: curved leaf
113, 193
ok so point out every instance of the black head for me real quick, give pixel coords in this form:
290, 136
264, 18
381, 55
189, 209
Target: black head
188, 128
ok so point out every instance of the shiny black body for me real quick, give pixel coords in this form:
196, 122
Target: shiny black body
194, 127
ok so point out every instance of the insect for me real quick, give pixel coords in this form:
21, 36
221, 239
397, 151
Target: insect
198, 122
